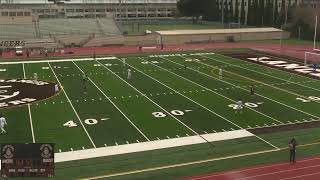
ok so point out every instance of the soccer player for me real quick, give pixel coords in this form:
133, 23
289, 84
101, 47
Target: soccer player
124, 62
292, 149
252, 90
220, 73
3, 122
84, 82
129, 74
185, 66
314, 68
238, 107
35, 76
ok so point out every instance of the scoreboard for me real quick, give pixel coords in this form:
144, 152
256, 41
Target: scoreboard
27, 160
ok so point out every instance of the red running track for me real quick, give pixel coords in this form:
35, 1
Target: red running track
306, 169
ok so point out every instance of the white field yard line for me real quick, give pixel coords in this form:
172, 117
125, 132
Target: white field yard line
197, 162
56, 60
267, 75
255, 93
214, 91
29, 109
136, 127
199, 104
149, 145
144, 95
76, 113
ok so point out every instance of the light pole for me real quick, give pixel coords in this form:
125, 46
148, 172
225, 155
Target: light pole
222, 10
315, 34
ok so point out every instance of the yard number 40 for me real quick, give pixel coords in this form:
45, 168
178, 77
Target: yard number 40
87, 121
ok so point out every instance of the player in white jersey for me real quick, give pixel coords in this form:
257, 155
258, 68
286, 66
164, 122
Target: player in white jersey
220, 73
129, 74
3, 122
238, 106
35, 76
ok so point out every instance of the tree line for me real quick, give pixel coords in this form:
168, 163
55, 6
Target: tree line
260, 12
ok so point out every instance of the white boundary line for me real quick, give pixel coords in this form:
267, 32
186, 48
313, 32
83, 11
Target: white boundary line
199, 104
144, 95
213, 91
277, 172
257, 93
260, 72
113, 104
254, 168
305, 175
178, 165
57, 60
29, 109
76, 113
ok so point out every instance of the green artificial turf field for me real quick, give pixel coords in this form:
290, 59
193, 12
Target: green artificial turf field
168, 96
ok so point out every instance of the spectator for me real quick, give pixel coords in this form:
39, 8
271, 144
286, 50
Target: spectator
292, 149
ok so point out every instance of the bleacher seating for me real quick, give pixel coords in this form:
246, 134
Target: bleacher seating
76, 26
17, 31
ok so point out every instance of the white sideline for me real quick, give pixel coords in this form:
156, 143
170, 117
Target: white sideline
150, 145
57, 60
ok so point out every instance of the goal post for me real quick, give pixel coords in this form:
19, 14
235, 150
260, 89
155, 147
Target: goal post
311, 58
316, 34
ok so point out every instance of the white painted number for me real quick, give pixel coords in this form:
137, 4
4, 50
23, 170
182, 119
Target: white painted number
248, 104
252, 105
177, 112
91, 121
70, 124
173, 112
303, 100
159, 114
308, 99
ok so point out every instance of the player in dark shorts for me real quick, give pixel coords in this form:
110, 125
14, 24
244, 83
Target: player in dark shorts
252, 90
84, 82
185, 67
292, 148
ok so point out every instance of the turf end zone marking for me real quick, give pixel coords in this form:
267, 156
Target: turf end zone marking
149, 145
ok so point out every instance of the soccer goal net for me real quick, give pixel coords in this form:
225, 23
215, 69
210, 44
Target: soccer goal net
312, 58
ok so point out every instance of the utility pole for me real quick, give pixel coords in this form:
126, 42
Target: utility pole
315, 33
222, 10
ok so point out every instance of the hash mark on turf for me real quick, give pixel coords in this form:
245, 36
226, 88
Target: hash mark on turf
187, 134
137, 141
168, 137
158, 138
127, 142
83, 147
116, 144
177, 136
60, 150
71, 149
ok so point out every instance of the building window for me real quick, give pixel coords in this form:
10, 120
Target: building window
19, 13
12, 13
4, 13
